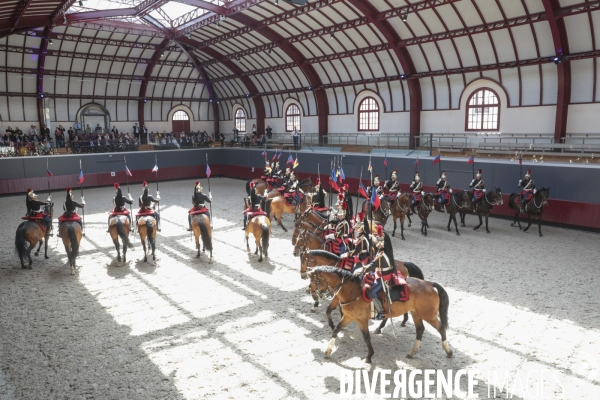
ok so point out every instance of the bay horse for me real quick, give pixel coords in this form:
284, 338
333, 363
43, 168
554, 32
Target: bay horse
260, 227
119, 227
428, 301
277, 206
308, 240
535, 207
146, 226
70, 232
201, 228
382, 213
425, 208
460, 200
306, 225
30, 232
485, 206
400, 209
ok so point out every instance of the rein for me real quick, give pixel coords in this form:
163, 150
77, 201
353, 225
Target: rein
495, 203
455, 203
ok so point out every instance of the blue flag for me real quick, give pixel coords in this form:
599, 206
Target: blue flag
208, 171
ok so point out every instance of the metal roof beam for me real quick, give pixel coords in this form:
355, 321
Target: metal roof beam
147, 74
205, 5
99, 14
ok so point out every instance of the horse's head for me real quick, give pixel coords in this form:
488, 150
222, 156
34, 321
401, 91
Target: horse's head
299, 245
544, 194
497, 196
465, 199
385, 207
428, 199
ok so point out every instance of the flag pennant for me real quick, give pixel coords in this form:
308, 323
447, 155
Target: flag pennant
342, 173
334, 185
375, 198
48, 172
385, 162
80, 178
363, 191
437, 159
208, 171
333, 176
127, 171
520, 160
416, 162
264, 153
274, 157
155, 169
279, 156
296, 163
471, 160
370, 169
290, 160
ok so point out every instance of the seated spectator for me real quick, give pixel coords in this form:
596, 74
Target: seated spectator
71, 133
222, 139
59, 135
33, 130
262, 140
18, 132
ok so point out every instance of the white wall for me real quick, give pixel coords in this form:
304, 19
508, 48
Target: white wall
584, 118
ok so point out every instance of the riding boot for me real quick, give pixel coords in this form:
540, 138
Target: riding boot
189, 229
379, 308
523, 206
108, 227
158, 222
245, 218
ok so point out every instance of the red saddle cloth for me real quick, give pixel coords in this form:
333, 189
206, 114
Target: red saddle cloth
348, 262
114, 213
446, 196
392, 195
70, 218
478, 194
321, 209
142, 213
196, 211
397, 286
289, 196
417, 196
37, 217
255, 214
528, 197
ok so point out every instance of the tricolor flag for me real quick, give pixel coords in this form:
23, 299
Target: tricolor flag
48, 172
363, 191
436, 159
296, 163
334, 185
333, 175
155, 169
80, 178
385, 161
342, 173
375, 198
370, 169
274, 157
264, 153
416, 162
127, 171
208, 171
471, 160
279, 156
290, 160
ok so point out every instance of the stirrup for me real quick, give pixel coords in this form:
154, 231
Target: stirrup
380, 316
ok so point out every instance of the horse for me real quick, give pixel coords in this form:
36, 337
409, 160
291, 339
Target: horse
308, 240
70, 232
382, 213
31, 232
119, 227
277, 206
400, 208
306, 225
260, 226
424, 209
485, 206
459, 200
201, 227
535, 207
146, 226
257, 181
427, 301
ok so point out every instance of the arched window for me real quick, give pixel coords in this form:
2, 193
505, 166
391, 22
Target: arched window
181, 116
292, 118
368, 115
240, 120
483, 111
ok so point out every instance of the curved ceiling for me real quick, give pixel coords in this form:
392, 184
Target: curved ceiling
416, 55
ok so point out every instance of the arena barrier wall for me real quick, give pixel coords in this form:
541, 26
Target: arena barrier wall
574, 189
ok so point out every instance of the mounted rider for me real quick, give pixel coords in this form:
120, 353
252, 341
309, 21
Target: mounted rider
337, 241
119, 203
478, 189
528, 186
444, 191
70, 208
392, 186
344, 190
199, 200
319, 199
376, 186
255, 203
35, 209
147, 203
296, 194
417, 188
267, 171
360, 254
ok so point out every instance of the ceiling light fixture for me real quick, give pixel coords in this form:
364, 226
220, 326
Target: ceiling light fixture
404, 16
189, 35
557, 59
50, 41
217, 23
332, 34
270, 50
237, 59
145, 100
276, 2
403, 77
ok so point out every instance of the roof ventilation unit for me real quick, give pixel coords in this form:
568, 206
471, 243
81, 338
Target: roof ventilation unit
297, 2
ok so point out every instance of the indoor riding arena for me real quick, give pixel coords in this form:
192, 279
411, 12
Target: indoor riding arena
299, 199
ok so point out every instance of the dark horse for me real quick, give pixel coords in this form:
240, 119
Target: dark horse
31, 232
400, 210
484, 207
424, 209
383, 212
459, 201
535, 207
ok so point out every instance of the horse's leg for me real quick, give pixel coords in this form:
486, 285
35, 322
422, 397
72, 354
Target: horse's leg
143, 240
118, 248
394, 231
420, 328
487, 217
455, 224
380, 327
449, 221
280, 221
343, 322
402, 226
37, 252
247, 243
529, 222
480, 222
259, 248
364, 328
332, 306
405, 320
437, 324
409, 220
462, 219
46, 247
29, 255
540, 224
517, 220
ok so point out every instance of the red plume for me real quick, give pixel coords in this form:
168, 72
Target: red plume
68, 190
344, 206
197, 182
361, 216
252, 184
116, 185
28, 190
379, 230
340, 196
144, 184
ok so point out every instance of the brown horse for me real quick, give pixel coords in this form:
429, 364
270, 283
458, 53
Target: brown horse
146, 226
119, 227
400, 209
30, 232
308, 240
383, 212
257, 181
423, 210
535, 207
485, 206
70, 232
260, 227
201, 227
277, 206
427, 301
459, 201
306, 225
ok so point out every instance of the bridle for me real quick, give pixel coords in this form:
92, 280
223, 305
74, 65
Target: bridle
495, 203
326, 294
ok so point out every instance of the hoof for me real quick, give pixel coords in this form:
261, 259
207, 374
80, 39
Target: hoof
457, 234
463, 225
328, 352
29, 267
368, 361
197, 255
541, 235
475, 229
210, 261
377, 331
23, 267
449, 230
512, 224
520, 228
313, 310
36, 254
393, 234
46, 257
488, 232
248, 250
409, 356
403, 238
260, 260
403, 324
449, 355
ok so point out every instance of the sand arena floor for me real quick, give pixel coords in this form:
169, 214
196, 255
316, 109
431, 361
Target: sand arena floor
184, 329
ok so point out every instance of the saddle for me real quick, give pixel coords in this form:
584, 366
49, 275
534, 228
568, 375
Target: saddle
322, 211
396, 285
255, 214
146, 212
392, 196
196, 211
70, 218
114, 213
289, 196
37, 217
447, 193
527, 197
478, 194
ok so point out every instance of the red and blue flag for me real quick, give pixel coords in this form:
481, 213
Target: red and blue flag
437, 159
208, 171
80, 178
48, 172
471, 160
375, 198
363, 191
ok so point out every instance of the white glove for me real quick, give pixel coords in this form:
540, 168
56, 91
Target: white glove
331, 236
520, 180
129, 196
345, 255
301, 191
534, 191
209, 195
358, 271
157, 193
82, 200
450, 190
422, 193
49, 198
484, 190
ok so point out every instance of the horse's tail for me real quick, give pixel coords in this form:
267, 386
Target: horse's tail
414, 271
20, 242
205, 236
444, 304
511, 200
248, 188
122, 234
268, 208
74, 242
265, 236
150, 232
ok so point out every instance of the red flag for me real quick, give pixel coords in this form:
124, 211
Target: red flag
334, 185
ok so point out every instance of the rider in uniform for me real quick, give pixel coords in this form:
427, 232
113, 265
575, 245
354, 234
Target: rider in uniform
146, 202
392, 187
417, 187
478, 189
294, 189
361, 245
443, 188
199, 199
119, 203
319, 198
528, 186
338, 240
35, 207
71, 205
255, 201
